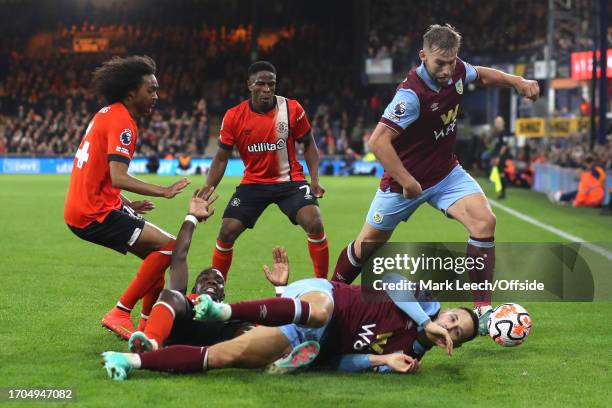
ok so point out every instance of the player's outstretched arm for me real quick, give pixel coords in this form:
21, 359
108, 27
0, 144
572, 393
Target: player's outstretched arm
217, 167
380, 145
279, 274
494, 77
122, 180
311, 155
199, 211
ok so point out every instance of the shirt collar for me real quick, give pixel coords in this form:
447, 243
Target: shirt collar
422, 72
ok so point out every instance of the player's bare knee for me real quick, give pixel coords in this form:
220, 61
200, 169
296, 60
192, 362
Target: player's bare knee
228, 235
484, 227
318, 316
175, 300
487, 226
314, 226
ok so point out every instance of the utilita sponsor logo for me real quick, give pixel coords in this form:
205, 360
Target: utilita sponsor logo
266, 147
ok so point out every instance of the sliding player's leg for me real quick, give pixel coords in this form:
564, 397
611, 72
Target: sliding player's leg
307, 302
254, 349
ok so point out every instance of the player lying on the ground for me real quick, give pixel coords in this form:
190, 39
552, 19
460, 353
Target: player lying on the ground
414, 141
362, 334
171, 320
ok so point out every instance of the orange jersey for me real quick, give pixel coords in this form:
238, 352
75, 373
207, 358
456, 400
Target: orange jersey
110, 136
193, 297
266, 141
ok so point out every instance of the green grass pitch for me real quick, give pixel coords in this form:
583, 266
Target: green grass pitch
55, 288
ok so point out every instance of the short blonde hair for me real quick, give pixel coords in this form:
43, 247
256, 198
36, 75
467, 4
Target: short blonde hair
445, 38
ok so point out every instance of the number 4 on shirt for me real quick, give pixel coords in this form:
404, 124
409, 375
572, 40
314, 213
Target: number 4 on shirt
82, 153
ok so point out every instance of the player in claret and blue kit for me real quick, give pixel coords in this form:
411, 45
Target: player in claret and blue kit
354, 334
414, 141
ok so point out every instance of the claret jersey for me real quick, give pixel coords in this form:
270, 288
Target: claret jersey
370, 327
424, 114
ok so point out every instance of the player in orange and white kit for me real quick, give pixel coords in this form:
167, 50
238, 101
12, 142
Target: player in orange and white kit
95, 210
264, 130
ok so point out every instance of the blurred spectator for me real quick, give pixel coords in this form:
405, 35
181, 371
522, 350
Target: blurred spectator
590, 191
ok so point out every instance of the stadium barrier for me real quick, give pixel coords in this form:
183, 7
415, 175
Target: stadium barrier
551, 178
235, 167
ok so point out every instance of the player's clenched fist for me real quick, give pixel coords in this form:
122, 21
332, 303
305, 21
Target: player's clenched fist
528, 88
317, 189
176, 188
413, 190
402, 363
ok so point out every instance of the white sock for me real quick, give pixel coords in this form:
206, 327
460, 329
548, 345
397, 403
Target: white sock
226, 311
133, 359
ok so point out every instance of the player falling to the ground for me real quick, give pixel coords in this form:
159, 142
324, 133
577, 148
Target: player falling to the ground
95, 210
171, 320
264, 129
414, 142
391, 335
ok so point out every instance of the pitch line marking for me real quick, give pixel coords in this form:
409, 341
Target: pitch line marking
595, 248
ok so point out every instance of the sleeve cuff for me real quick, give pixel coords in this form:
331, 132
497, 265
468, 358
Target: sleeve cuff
225, 146
118, 158
303, 137
390, 124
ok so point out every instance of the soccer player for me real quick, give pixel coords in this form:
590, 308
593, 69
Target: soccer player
95, 210
264, 129
171, 320
364, 334
414, 142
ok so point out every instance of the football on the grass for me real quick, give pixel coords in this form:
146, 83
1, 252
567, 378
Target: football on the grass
509, 324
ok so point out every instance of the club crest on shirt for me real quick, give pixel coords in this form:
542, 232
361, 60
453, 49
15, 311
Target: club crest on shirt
281, 128
459, 86
126, 137
434, 106
235, 202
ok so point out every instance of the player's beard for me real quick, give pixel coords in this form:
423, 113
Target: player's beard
266, 102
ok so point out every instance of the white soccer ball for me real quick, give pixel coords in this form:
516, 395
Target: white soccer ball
509, 324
